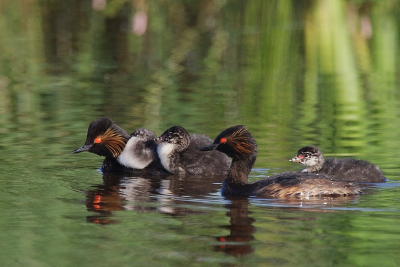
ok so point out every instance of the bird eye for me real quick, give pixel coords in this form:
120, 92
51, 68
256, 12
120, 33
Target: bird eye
222, 140
97, 140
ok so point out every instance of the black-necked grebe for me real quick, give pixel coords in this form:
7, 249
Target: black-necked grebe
180, 153
239, 144
104, 138
352, 170
129, 153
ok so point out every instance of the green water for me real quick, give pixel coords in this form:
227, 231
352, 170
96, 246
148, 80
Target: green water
294, 72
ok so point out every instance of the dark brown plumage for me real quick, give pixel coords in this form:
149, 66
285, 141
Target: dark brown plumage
239, 144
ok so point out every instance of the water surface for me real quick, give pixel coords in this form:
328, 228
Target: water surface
294, 72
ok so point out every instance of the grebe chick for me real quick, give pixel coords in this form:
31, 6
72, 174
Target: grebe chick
140, 152
180, 153
352, 170
107, 139
239, 144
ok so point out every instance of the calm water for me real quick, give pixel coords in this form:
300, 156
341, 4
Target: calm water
294, 72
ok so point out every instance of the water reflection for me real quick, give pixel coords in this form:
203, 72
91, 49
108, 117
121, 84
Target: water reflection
169, 195
118, 192
238, 242
121, 191
241, 228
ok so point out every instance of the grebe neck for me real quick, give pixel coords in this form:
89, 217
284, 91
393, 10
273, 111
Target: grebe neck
240, 170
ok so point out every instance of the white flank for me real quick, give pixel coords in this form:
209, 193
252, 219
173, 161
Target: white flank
129, 157
164, 151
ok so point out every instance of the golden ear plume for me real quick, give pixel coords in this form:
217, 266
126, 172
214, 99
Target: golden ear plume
114, 141
240, 141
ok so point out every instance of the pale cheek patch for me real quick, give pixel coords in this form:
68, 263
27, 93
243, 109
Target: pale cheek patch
164, 151
312, 161
130, 158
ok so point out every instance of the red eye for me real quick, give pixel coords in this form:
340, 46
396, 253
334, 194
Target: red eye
97, 140
222, 140
97, 199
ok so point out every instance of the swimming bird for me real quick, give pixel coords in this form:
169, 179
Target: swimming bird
340, 169
134, 153
180, 153
238, 143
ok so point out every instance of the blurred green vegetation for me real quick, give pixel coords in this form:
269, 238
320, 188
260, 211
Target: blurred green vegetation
322, 72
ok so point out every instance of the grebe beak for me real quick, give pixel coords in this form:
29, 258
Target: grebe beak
82, 148
207, 148
295, 159
160, 139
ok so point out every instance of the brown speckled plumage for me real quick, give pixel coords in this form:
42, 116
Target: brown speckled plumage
352, 170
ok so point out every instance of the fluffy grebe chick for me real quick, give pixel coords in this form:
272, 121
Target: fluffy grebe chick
180, 153
140, 150
140, 153
239, 144
129, 153
352, 170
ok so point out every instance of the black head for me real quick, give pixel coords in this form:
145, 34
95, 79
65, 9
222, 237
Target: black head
236, 142
308, 155
104, 138
177, 136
